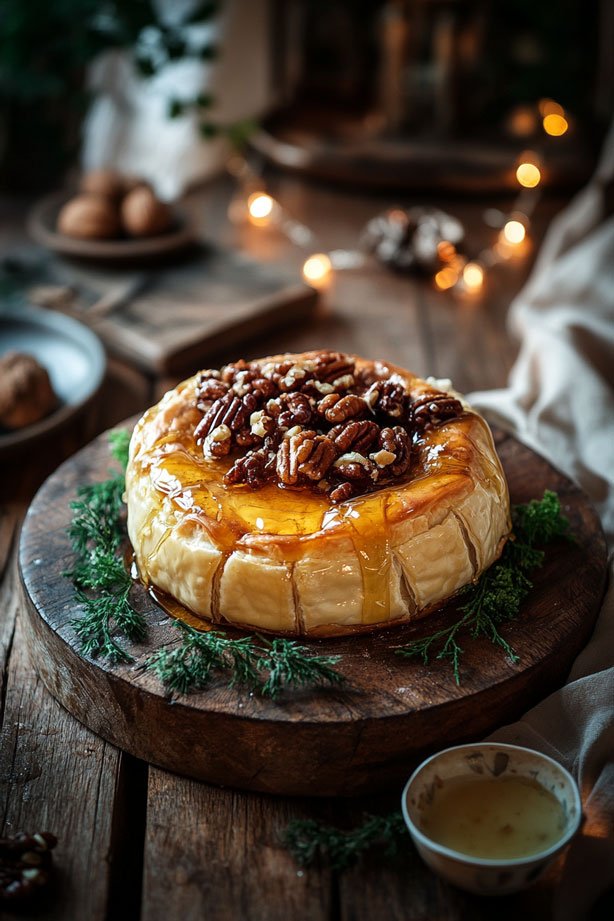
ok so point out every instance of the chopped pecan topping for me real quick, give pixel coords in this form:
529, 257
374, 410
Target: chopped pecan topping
254, 469
291, 409
354, 436
388, 398
330, 366
229, 372
315, 421
323, 454
210, 389
342, 492
435, 408
218, 442
304, 454
336, 408
229, 410
396, 441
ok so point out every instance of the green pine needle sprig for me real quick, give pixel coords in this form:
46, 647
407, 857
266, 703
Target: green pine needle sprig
498, 594
310, 841
102, 583
268, 667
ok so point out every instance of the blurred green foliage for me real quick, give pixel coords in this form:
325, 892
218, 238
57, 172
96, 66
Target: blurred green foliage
45, 48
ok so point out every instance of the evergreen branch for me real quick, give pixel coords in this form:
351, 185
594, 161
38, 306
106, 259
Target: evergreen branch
287, 664
119, 442
102, 584
498, 595
308, 840
267, 667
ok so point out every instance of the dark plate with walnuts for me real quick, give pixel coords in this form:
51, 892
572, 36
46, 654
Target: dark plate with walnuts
43, 221
53, 366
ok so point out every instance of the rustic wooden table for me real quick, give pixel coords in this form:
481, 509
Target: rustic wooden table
136, 842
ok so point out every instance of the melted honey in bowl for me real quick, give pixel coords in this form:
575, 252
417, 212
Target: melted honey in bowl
495, 818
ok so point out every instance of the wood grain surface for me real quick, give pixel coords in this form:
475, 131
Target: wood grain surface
364, 737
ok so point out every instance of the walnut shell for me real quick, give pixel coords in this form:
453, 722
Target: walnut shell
105, 182
143, 215
130, 183
89, 217
26, 394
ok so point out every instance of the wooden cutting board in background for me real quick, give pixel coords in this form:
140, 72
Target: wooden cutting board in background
365, 737
168, 318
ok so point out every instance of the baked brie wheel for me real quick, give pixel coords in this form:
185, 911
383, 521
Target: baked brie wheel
316, 494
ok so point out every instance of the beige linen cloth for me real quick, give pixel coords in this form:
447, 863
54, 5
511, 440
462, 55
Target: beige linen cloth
560, 402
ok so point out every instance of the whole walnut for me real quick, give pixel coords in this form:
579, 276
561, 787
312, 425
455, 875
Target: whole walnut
105, 182
89, 217
26, 393
130, 183
143, 215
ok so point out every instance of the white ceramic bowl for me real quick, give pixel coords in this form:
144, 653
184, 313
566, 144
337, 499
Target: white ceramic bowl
475, 874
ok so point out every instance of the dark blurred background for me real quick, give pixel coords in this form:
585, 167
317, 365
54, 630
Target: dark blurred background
408, 93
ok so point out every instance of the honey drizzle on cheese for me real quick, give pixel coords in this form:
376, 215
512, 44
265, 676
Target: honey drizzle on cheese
290, 521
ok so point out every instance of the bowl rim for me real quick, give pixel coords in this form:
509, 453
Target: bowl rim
81, 337
500, 862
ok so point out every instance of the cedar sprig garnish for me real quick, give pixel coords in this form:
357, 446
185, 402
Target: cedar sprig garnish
102, 584
255, 662
500, 591
309, 841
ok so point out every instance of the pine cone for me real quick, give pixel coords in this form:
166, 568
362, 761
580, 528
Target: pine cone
25, 865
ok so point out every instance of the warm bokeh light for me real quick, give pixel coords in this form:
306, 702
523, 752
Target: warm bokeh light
446, 278
514, 232
260, 207
473, 276
550, 107
522, 121
317, 269
555, 125
528, 175
446, 251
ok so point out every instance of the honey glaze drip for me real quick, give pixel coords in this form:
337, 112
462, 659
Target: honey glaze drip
178, 611
169, 605
369, 525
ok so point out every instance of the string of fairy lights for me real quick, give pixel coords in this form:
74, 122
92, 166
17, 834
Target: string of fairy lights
455, 271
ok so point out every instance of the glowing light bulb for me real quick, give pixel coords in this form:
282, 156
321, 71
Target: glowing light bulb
555, 125
528, 175
446, 251
522, 121
550, 107
446, 278
260, 208
317, 269
514, 232
473, 276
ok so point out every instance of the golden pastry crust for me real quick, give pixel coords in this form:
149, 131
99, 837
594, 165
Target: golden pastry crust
290, 561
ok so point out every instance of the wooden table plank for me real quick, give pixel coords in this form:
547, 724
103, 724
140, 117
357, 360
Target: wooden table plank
55, 776
215, 854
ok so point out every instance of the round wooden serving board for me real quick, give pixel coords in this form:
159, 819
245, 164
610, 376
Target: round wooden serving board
366, 737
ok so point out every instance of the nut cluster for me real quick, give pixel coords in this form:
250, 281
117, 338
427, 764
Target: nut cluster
110, 206
25, 865
317, 422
